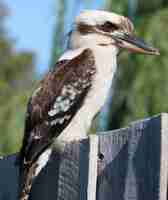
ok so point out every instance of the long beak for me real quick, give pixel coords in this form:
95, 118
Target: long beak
134, 44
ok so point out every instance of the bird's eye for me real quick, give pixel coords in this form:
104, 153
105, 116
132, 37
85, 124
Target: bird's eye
108, 27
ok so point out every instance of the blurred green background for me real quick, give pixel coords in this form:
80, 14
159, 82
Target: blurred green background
141, 84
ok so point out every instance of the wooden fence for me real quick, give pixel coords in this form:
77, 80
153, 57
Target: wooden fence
132, 164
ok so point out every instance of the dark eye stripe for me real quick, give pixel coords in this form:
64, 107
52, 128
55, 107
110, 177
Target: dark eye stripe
85, 29
108, 27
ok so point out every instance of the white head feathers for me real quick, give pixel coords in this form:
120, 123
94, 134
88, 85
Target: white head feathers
97, 17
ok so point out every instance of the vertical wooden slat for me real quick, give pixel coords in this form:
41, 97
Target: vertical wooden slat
164, 158
92, 173
73, 171
68, 180
83, 169
142, 180
113, 167
8, 178
132, 181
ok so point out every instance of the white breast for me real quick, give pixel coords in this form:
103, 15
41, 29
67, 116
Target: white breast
106, 67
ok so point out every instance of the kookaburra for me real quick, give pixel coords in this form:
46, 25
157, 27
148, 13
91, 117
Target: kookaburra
73, 92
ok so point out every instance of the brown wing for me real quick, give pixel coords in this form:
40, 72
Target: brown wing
55, 103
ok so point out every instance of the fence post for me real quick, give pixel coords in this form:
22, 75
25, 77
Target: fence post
92, 173
133, 165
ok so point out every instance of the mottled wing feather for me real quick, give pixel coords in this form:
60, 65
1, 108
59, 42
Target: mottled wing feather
55, 103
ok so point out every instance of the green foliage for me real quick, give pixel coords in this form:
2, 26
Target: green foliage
117, 6
148, 6
150, 86
16, 77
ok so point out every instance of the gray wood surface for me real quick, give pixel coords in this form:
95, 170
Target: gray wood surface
132, 164
93, 166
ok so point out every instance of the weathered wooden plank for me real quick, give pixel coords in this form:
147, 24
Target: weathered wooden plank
68, 182
68, 173
142, 181
133, 164
83, 173
8, 178
113, 167
164, 158
147, 161
92, 171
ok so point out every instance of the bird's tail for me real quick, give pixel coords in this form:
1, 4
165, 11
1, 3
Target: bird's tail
27, 174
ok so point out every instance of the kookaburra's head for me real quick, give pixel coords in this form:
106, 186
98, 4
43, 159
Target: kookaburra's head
100, 28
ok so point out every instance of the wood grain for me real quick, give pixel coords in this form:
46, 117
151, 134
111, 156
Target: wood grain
132, 164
